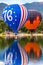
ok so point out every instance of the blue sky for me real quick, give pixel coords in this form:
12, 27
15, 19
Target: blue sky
19, 1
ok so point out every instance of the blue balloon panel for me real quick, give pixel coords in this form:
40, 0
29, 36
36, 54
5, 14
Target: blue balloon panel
15, 16
14, 55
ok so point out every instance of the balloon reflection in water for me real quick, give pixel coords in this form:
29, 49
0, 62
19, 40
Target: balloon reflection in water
15, 55
33, 50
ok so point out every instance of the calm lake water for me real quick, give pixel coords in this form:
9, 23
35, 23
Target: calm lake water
2, 50
39, 62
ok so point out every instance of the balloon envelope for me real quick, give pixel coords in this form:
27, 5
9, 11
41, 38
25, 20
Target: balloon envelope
15, 16
15, 56
34, 19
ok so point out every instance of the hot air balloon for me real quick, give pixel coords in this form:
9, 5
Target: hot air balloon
34, 19
33, 50
15, 55
15, 16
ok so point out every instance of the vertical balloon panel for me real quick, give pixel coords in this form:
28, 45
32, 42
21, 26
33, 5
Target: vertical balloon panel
15, 16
